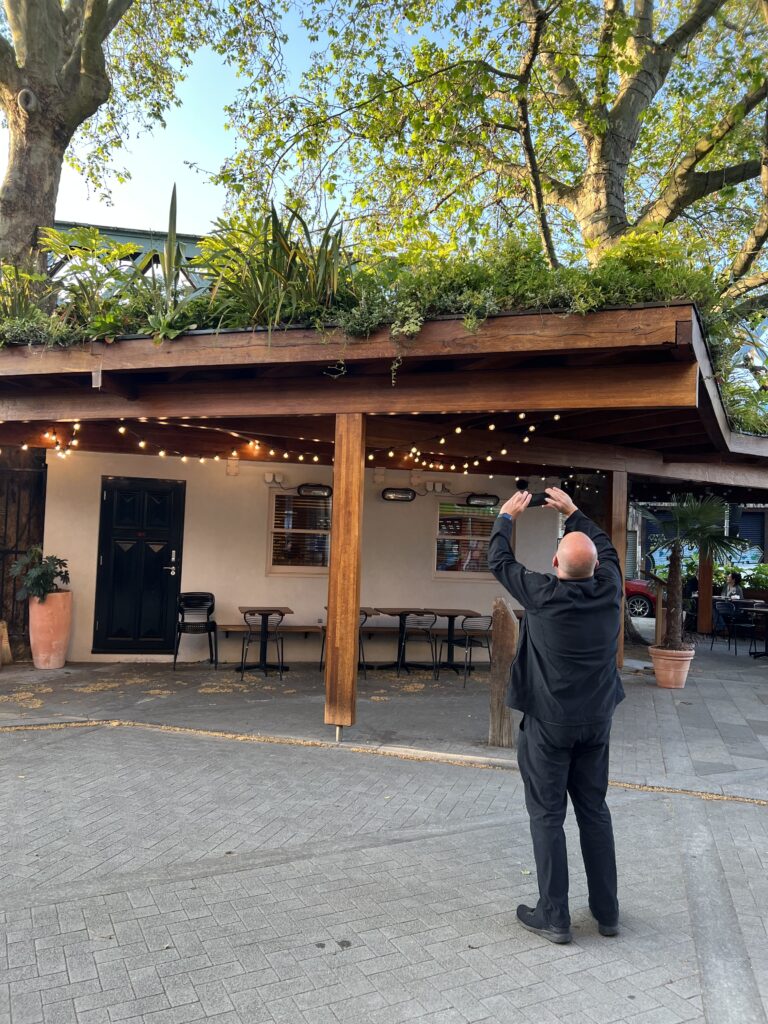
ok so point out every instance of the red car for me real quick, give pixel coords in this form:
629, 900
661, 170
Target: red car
641, 597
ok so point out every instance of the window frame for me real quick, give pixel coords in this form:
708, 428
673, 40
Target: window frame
272, 531
462, 575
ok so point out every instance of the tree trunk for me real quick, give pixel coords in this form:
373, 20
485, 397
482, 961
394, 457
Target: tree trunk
600, 208
673, 639
631, 633
28, 192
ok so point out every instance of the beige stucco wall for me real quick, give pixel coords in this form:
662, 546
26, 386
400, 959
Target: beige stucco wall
226, 539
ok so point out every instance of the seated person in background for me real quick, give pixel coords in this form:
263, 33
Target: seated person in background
732, 588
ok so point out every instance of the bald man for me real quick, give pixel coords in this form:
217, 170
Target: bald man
565, 681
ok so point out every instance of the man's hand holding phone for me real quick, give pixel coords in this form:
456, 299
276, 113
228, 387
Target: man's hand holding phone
552, 497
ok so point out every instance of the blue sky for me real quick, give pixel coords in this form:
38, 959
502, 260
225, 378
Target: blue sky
195, 132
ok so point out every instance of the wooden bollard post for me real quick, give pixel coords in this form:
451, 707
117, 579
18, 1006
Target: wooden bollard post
501, 732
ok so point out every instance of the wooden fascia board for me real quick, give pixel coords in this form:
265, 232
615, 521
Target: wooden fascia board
639, 327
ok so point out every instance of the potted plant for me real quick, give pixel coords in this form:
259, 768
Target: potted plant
694, 523
50, 607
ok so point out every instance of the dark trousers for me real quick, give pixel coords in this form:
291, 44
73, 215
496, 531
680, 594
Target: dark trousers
557, 761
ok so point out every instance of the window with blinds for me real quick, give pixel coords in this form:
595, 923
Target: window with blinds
300, 533
462, 538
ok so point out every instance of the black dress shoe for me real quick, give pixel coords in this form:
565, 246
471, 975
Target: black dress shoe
609, 930
530, 918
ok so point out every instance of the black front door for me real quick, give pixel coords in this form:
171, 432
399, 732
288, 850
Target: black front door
139, 567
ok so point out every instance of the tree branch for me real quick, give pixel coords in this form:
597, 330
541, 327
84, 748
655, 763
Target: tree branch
686, 186
566, 87
116, 11
752, 305
9, 69
746, 284
536, 28
759, 233
692, 25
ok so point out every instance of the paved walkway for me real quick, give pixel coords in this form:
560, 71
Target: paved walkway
167, 875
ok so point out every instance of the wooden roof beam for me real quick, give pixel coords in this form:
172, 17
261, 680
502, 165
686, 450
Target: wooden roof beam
673, 386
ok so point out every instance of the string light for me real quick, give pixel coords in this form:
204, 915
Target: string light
526, 439
121, 429
285, 455
488, 458
161, 453
453, 465
217, 458
390, 454
503, 451
301, 458
76, 426
142, 443
442, 440
315, 458
233, 453
457, 430
556, 416
491, 426
521, 415
476, 462
532, 428
183, 458
25, 447
202, 460
271, 451
370, 458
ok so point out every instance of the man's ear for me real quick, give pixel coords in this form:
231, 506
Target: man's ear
597, 563
555, 562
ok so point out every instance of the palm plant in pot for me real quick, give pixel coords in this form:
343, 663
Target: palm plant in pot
694, 523
42, 578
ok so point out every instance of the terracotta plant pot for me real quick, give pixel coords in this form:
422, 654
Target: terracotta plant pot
49, 625
670, 667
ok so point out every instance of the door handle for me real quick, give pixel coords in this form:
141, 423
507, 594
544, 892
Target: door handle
171, 569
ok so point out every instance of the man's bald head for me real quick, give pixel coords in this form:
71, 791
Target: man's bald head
576, 557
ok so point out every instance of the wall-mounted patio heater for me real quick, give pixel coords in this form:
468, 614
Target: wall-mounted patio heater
398, 494
314, 491
482, 500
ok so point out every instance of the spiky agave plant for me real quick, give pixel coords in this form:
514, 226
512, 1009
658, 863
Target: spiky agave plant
694, 523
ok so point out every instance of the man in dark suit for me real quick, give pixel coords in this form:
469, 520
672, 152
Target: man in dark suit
565, 681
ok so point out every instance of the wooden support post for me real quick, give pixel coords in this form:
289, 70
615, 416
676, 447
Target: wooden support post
618, 512
344, 571
704, 614
501, 732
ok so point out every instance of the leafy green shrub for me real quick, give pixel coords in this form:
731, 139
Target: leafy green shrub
37, 328
39, 575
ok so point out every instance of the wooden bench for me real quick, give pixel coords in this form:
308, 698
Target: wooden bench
240, 627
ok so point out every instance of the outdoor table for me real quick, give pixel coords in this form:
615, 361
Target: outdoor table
401, 614
451, 614
264, 611
758, 608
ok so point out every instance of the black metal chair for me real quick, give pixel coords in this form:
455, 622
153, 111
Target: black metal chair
730, 621
253, 634
195, 618
474, 632
418, 627
360, 645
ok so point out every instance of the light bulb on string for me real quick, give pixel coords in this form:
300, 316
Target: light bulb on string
161, 453
76, 426
183, 458
526, 439
503, 451
521, 415
390, 454
491, 426
271, 451
315, 458
217, 458
442, 440
489, 458
457, 430
142, 443
531, 428
25, 447
121, 429
556, 417
476, 462
453, 466
370, 458
285, 455
233, 453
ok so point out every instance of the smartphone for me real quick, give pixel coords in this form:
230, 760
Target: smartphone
538, 500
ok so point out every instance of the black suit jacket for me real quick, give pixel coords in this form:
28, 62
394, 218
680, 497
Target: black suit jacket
565, 670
